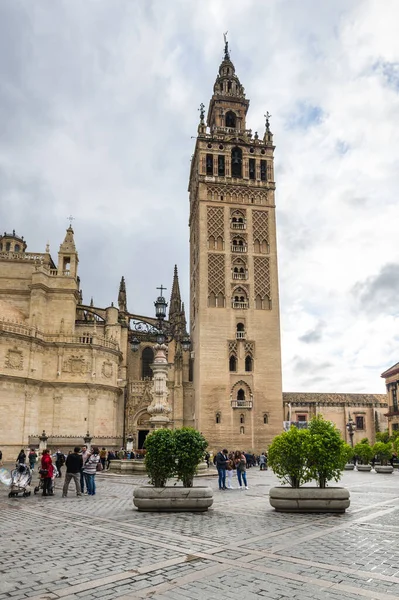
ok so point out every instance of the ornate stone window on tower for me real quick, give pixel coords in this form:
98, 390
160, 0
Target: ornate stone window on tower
236, 162
209, 164
240, 298
221, 165
238, 244
242, 430
218, 418
230, 119
212, 300
248, 363
233, 363
240, 397
239, 269
147, 358
240, 331
242, 419
17, 248
265, 419
252, 168
238, 220
263, 170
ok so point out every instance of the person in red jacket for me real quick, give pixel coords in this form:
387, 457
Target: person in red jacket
46, 472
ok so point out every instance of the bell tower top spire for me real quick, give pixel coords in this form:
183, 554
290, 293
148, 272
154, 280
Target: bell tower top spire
228, 106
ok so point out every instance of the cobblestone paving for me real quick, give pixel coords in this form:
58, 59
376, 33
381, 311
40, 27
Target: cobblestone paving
101, 547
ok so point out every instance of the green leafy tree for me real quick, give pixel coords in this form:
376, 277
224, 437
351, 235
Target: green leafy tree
364, 451
160, 456
327, 453
287, 456
190, 446
383, 451
382, 436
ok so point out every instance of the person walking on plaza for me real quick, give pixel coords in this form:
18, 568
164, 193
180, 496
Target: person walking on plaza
74, 464
59, 461
221, 465
90, 469
103, 457
262, 462
230, 471
21, 457
1, 458
85, 456
46, 472
32, 457
241, 463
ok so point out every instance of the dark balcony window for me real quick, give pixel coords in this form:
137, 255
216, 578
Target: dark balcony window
209, 164
252, 168
263, 170
221, 166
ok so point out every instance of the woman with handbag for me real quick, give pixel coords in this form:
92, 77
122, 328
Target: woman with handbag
90, 468
46, 472
241, 464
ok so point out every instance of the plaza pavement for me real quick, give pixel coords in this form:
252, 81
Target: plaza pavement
101, 547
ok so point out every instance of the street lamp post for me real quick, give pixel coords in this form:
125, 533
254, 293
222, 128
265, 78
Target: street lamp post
351, 428
162, 333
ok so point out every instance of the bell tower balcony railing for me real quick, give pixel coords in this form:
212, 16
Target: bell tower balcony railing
239, 275
242, 403
239, 304
240, 335
236, 225
235, 248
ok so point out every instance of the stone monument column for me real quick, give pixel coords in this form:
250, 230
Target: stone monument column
43, 442
159, 408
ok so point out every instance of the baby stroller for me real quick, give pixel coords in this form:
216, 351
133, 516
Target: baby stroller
40, 486
21, 478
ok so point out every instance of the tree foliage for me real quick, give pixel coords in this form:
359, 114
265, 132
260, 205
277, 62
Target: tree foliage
174, 453
327, 452
383, 451
300, 455
190, 446
364, 452
287, 456
160, 456
382, 436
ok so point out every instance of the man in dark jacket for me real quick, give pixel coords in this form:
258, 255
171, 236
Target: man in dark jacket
74, 464
221, 464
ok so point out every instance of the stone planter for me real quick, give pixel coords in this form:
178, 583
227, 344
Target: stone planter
349, 467
364, 468
309, 499
383, 469
172, 499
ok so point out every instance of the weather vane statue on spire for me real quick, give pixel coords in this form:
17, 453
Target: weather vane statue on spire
226, 46
267, 117
202, 111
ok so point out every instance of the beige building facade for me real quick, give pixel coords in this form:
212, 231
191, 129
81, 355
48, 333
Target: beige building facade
70, 371
391, 377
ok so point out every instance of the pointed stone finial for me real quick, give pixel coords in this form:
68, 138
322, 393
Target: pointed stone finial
47, 248
122, 299
175, 298
91, 301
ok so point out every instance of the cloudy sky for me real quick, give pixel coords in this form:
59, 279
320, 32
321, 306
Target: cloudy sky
98, 106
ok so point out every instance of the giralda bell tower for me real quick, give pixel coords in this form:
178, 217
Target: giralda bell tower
234, 300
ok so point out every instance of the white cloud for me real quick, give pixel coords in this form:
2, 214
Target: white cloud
99, 102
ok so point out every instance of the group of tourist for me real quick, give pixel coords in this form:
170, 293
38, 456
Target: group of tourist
81, 465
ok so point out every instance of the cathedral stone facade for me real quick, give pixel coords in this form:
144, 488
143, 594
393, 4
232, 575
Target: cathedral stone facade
70, 370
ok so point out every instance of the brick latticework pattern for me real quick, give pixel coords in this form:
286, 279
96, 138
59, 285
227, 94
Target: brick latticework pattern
216, 274
249, 348
262, 276
260, 225
232, 347
215, 221
236, 194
